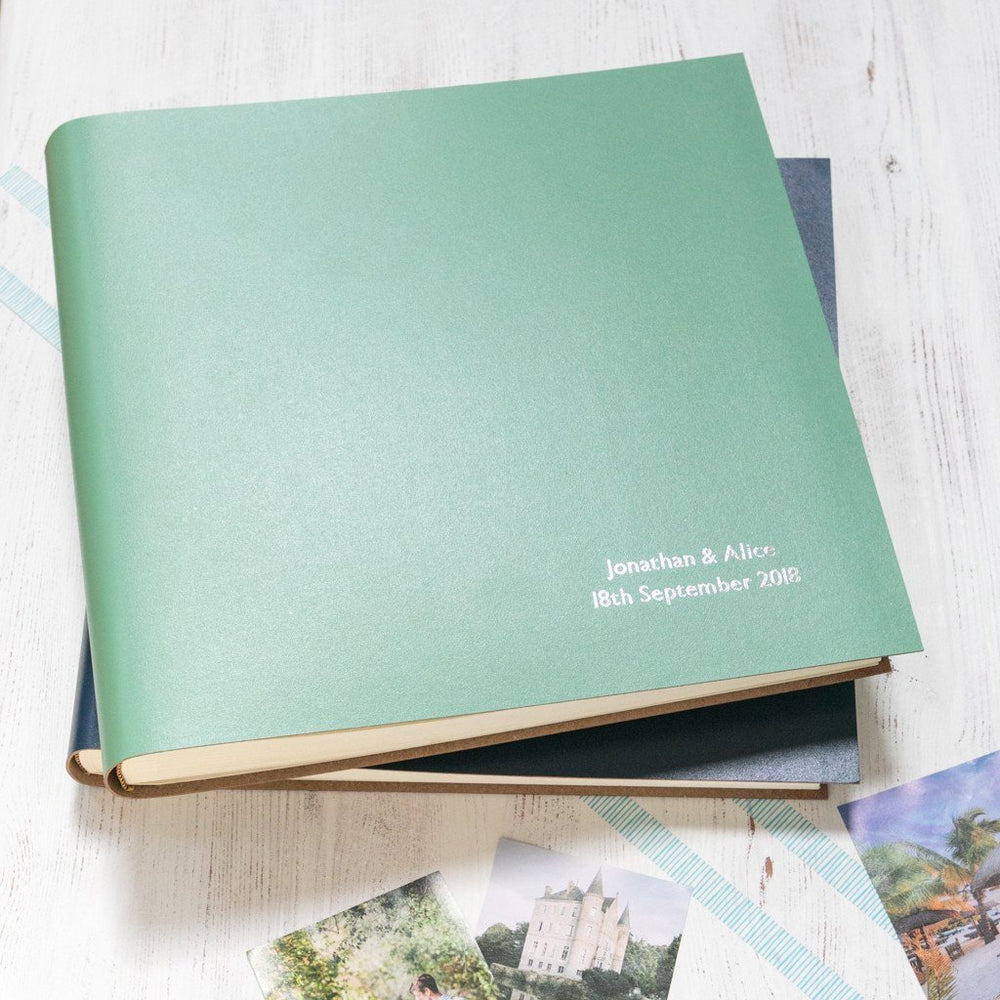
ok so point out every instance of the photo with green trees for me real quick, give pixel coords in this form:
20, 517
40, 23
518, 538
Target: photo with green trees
408, 944
557, 927
932, 850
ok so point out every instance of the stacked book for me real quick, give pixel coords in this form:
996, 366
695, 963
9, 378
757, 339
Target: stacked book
486, 437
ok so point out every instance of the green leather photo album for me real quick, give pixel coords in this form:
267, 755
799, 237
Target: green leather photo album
417, 421
790, 745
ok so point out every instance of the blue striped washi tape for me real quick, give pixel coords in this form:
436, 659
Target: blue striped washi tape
19, 184
767, 937
30, 306
844, 873
21, 299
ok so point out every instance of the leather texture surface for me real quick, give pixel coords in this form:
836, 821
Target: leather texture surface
365, 392
805, 736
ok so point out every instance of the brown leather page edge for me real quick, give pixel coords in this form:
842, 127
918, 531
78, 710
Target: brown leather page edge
77, 773
492, 788
114, 779
495, 788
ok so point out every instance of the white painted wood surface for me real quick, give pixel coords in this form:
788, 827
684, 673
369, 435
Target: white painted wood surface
101, 898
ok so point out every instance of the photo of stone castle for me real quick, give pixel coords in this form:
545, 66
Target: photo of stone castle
571, 931
604, 933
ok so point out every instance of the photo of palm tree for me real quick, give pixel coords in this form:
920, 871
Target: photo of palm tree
932, 850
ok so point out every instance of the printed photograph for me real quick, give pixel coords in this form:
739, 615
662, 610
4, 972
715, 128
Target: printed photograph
557, 927
931, 850
408, 944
